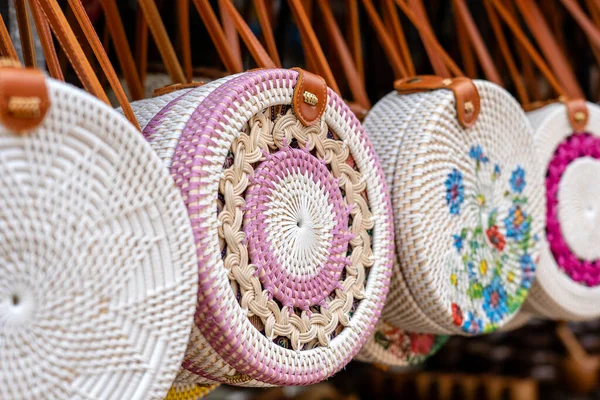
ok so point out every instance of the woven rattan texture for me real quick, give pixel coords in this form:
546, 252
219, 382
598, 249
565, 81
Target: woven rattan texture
468, 207
328, 194
568, 274
98, 273
187, 388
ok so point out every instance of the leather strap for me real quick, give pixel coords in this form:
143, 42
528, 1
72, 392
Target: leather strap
258, 52
229, 29
124, 55
7, 49
464, 46
161, 38
218, 36
45, 35
578, 114
400, 70
392, 21
355, 83
354, 37
465, 92
552, 52
26, 33
141, 44
183, 20
264, 18
24, 98
175, 87
439, 67
462, 11
310, 97
311, 43
583, 21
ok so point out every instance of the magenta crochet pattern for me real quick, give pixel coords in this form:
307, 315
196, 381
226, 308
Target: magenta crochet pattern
574, 147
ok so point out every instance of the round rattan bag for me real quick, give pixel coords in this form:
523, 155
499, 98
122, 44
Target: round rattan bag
98, 271
468, 201
568, 280
292, 222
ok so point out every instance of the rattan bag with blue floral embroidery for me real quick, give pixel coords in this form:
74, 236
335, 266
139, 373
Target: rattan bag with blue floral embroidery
468, 208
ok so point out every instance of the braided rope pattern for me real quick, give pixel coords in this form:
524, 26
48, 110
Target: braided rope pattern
97, 267
565, 285
232, 344
454, 210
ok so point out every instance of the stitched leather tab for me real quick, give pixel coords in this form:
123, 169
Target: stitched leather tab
310, 97
578, 114
23, 98
465, 92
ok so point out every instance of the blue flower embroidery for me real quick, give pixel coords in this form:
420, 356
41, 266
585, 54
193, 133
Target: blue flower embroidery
458, 242
528, 268
455, 191
517, 180
497, 170
472, 325
517, 224
494, 303
476, 153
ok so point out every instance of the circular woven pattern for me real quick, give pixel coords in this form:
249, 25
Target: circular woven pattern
395, 347
568, 280
97, 266
468, 209
295, 262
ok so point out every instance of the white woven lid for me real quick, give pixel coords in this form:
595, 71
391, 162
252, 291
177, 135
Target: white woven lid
568, 281
467, 205
98, 273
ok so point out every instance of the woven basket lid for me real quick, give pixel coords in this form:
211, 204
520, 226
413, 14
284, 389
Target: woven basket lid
568, 281
98, 273
468, 206
394, 347
292, 224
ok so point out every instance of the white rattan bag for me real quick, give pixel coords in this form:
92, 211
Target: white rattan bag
98, 273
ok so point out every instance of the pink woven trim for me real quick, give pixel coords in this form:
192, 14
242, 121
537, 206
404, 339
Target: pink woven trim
150, 130
294, 291
193, 156
575, 146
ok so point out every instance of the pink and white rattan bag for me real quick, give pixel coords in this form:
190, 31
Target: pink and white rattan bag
292, 223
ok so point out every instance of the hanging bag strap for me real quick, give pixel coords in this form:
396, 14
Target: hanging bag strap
7, 49
26, 33
354, 38
45, 35
263, 13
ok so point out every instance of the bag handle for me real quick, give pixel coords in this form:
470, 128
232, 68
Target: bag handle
576, 107
45, 35
264, 18
72, 48
26, 33
230, 31
7, 49
393, 24
353, 77
353, 33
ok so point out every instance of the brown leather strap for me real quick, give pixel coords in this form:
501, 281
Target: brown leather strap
141, 44
124, 55
26, 33
264, 18
400, 71
355, 82
465, 92
7, 49
462, 11
45, 35
577, 112
102, 57
258, 52
439, 67
506, 53
24, 99
183, 21
311, 43
392, 21
218, 36
310, 97
229, 29
464, 46
161, 38
584, 22
552, 52
175, 87
354, 37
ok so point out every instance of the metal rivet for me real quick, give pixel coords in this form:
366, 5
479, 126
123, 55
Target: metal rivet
469, 107
447, 82
579, 116
310, 98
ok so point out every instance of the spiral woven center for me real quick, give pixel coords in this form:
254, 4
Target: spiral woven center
573, 214
296, 224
